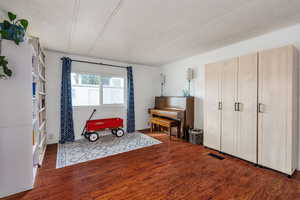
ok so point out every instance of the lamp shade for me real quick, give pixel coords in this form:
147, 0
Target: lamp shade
189, 74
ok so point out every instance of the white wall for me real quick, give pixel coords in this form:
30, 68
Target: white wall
176, 71
146, 85
2, 15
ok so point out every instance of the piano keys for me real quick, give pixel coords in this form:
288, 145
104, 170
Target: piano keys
177, 108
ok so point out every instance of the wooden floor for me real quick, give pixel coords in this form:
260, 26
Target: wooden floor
171, 170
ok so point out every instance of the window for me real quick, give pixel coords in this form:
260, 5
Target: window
113, 90
87, 89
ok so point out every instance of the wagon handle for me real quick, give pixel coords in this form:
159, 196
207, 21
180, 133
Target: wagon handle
92, 114
88, 120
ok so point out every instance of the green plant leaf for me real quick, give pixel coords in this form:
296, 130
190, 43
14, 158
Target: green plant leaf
24, 23
4, 62
4, 34
7, 71
6, 24
11, 16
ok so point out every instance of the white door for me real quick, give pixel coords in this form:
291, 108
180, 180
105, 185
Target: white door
229, 116
212, 118
247, 109
273, 98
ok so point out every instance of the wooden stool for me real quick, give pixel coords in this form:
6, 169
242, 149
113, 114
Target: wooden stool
167, 123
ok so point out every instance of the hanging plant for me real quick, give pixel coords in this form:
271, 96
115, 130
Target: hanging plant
5, 72
13, 29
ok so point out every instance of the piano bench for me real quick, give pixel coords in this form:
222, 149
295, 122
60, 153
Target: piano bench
167, 123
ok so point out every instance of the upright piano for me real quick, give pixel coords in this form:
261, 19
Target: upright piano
177, 108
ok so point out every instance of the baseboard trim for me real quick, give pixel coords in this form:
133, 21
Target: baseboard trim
144, 130
15, 191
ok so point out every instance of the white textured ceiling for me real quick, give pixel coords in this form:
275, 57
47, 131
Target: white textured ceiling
151, 32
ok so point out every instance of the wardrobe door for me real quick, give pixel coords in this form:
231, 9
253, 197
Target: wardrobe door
212, 126
229, 116
247, 107
274, 98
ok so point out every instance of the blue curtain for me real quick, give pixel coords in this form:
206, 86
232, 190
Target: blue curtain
66, 112
130, 102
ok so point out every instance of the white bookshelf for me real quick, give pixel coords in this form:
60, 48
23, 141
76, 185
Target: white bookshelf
39, 102
22, 117
16, 120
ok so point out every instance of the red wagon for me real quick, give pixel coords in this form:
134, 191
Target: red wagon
93, 126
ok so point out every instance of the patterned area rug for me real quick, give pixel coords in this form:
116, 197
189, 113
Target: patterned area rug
107, 145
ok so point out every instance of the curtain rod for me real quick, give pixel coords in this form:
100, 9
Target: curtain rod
95, 63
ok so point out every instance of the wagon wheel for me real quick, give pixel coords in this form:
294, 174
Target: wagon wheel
114, 131
86, 135
93, 136
120, 132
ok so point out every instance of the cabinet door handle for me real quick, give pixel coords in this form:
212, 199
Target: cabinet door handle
238, 106
260, 107
235, 106
220, 105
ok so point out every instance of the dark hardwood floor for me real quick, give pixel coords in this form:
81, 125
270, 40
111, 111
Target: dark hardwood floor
171, 170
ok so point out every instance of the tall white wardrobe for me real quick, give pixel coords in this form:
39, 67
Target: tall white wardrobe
251, 108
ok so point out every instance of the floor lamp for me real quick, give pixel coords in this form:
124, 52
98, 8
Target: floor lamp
189, 78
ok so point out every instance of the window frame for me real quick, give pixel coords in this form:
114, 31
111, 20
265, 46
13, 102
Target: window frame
101, 74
